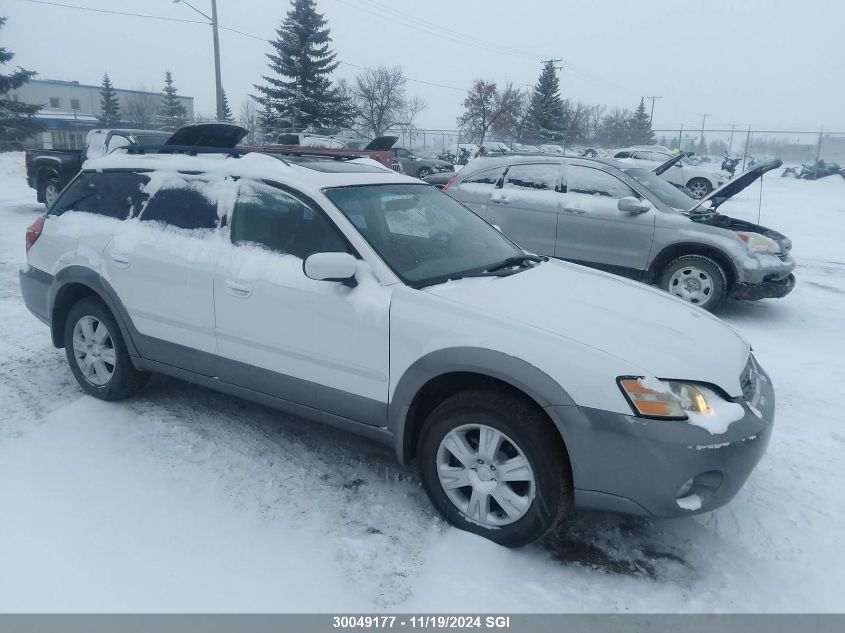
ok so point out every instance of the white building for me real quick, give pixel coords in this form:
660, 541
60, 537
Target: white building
70, 109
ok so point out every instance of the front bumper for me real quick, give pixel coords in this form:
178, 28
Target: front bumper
772, 289
633, 465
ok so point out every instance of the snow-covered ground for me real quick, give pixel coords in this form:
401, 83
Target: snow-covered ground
182, 499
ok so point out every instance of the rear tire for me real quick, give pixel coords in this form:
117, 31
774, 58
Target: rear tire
696, 279
526, 469
699, 187
97, 353
50, 190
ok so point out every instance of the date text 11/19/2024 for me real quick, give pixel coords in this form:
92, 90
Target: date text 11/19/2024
421, 622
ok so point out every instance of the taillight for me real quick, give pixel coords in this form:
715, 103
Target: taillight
451, 180
27, 159
34, 232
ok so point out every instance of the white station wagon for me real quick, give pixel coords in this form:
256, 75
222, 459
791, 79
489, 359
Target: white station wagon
348, 294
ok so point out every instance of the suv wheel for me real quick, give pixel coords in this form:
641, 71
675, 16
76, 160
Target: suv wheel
699, 187
696, 279
50, 191
97, 354
423, 172
492, 464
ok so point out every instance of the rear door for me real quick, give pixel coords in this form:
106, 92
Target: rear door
526, 205
591, 227
162, 266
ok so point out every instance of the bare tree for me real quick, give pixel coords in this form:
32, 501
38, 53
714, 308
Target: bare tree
487, 108
141, 107
379, 98
248, 118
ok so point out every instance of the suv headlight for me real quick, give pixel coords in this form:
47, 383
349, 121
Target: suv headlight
758, 243
666, 399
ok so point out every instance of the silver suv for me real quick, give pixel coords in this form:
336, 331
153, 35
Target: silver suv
629, 221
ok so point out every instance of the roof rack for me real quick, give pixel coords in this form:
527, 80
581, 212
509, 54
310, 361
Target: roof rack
191, 150
310, 152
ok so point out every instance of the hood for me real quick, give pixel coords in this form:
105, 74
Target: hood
381, 143
732, 224
737, 184
223, 135
647, 328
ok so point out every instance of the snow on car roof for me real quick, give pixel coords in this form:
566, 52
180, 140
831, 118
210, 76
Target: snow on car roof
254, 165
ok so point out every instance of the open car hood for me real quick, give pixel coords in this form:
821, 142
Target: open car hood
737, 184
223, 135
381, 143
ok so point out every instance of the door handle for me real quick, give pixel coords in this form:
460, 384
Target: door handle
120, 259
238, 289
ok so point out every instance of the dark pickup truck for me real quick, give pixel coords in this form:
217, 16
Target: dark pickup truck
49, 170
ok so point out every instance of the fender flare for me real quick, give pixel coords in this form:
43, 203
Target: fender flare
518, 373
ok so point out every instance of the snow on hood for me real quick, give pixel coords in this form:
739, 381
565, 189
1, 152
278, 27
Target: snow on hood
666, 337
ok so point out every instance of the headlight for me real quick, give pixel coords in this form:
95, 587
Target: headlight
758, 243
667, 399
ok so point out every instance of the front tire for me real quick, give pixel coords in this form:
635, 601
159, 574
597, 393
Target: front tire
97, 353
699, 187
50, 190
423, 172
696, 279
494, 465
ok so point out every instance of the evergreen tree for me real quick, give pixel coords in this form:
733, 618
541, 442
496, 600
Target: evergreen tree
545, 111
640, 123
227, 111
17, 120
171, 108
298, 89
109, 104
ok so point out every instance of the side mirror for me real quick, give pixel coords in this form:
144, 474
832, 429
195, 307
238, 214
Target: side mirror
630, 204
331, 267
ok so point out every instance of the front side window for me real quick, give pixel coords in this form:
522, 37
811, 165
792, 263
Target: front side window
402, 153
115, 194
622, 155
270, 218
594, 182
486, 177
538, 177
182, 206
424, 235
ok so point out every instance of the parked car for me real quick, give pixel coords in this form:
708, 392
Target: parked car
49, 170
523, 387
418, 166
699, 179
591, 212
439, 180
496, 147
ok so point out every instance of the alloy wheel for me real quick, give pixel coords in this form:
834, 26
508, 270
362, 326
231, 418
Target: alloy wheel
485, 474
93, 349
692, 284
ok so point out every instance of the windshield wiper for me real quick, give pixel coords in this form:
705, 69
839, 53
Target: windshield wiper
518, 260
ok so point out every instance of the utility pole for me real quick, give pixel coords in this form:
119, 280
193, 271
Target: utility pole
651, 116
703, 120
747, 143
558, 60
218, 82
819, 147
731, 144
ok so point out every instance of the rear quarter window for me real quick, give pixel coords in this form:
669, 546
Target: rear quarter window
114, 194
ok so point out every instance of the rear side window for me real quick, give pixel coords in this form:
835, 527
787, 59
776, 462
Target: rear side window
595, 182
276, 220
542, 177
115, 194
183, 207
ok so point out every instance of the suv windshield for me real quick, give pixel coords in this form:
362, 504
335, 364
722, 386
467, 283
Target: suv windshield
424, 235
667, 193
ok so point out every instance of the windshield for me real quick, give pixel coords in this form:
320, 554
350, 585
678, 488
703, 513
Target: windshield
424, 235
667, 193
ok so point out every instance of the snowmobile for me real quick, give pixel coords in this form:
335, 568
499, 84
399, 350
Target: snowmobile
729, 164
814, 171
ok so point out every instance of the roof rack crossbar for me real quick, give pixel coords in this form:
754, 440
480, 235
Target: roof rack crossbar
191, 150
306, 154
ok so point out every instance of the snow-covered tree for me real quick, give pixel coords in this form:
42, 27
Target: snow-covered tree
17, 119
171, 107
545, 111
109, 104
227, 111
298, 90
640, 124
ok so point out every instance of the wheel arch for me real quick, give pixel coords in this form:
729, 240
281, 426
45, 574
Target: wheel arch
441, 374
74, 283
679, 249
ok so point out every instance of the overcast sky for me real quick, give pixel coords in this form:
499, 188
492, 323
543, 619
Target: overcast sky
770, 63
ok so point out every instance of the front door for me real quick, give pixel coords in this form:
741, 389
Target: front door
321, 344
591, 227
